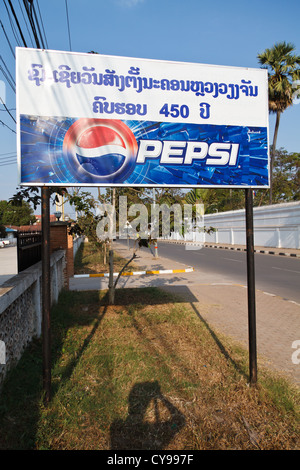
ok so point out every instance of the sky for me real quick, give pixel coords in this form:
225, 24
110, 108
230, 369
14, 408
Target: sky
228, 33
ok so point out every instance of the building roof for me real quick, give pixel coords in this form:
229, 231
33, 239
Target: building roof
39, 218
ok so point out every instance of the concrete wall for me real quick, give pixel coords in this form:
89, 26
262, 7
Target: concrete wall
76, 244
20, 308
275, 226
60, 239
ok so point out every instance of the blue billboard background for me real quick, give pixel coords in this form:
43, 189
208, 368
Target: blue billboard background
44, 160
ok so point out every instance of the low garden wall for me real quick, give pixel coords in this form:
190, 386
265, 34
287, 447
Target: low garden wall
21, 310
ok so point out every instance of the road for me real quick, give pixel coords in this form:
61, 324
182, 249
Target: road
278, 275
8, 263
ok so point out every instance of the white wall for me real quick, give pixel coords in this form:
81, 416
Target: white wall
277, 225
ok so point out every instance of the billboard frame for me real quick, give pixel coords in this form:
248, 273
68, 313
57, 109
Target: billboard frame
46, 330
227, 111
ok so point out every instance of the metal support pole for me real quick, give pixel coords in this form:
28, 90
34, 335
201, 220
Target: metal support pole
111, 289
251, 286
155, 222
46, 288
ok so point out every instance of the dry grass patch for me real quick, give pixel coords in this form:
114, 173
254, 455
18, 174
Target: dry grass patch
146, 373
91, 260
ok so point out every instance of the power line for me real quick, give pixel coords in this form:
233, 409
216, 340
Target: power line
42, 23
7, 69
7, 156
6, 164
31, 13
17, 21
8, 153
12, 25
7, 110
9, 160
68, 24
3, 123
26, 23
31, 21
10, 109
11, 48
37, 22
9, 79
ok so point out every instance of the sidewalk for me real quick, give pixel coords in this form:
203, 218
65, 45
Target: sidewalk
222, 305
8, 263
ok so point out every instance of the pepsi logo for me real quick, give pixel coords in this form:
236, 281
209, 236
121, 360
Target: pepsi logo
103, 149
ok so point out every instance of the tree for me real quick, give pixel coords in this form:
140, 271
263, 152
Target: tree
216, 199
2, 231
286, 179
11, 214
284, 70
86, 206
32, 195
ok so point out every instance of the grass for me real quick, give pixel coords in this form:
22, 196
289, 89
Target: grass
90, 260
145, 373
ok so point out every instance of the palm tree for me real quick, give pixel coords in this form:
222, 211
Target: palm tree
284, 69
197, 196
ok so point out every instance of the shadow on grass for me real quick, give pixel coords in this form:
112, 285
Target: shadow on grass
137, 432
84, 301
186, 295
21, 398
82, 263
152, 296
220, 344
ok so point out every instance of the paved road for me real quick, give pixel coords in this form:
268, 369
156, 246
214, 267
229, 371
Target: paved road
8, 263
278, 275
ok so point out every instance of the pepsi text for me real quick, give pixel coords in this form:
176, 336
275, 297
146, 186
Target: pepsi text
185, 153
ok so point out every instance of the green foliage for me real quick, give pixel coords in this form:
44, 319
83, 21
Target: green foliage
2, 231
284, 68
11, 214
87, 219
216, 200
286, 179
33, 195
286, 188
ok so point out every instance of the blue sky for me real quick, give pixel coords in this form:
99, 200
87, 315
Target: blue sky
228, 33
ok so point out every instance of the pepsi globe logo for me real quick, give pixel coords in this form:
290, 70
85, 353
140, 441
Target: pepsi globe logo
100, 150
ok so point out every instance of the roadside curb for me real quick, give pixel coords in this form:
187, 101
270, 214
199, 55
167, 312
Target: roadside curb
234, 248
267, 252
138, 273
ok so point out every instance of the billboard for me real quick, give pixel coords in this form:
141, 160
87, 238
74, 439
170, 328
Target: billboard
96, 120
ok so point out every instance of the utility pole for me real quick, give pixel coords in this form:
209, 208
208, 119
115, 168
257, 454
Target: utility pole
111, 288
46, 289
155, 221
46, 286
